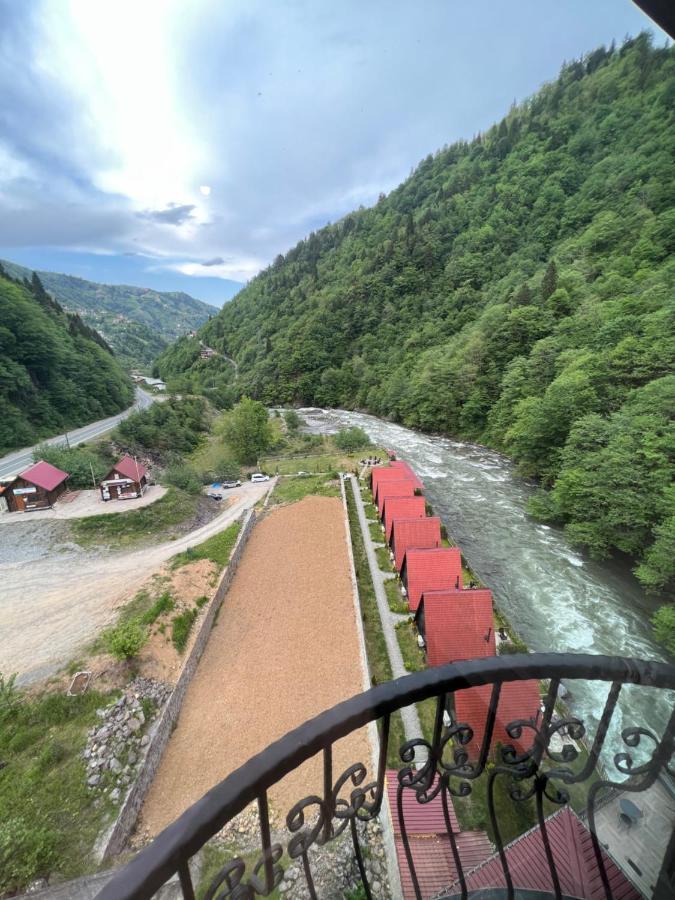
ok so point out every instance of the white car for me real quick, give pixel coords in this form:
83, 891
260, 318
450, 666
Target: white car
258, 476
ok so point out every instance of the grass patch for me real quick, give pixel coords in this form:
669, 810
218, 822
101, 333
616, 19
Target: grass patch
383, 560
376, 649
376, 533
288, 490
163, 604
217, 548
126, 528
181, 628
216, 856
49, 822
413, 656
397, 604
370, 509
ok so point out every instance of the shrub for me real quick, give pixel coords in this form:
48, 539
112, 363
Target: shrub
27, 849
164, 603
351, 439
663, 621
184, 477
126, 639
292, 420
9, 697
78, 462
182, 625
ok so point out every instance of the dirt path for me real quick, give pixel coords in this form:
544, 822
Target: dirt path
51, 607
285, 648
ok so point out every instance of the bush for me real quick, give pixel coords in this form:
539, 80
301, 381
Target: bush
182, 625
663, 621
77, 462
9, 697
27, 849
292, 420
126, 639
184, 477
351, 439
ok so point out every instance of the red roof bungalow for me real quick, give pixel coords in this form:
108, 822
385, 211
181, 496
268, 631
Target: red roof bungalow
399, 488
417, 533
124, 481
574, 858
430, 570
39, 487
406, 467
517, 700
402, 508
456, 625
379, 474
429, 841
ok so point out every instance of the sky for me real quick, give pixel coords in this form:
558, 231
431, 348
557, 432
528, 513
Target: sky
183, 144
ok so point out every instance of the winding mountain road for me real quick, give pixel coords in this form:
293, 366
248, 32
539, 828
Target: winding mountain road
19, 460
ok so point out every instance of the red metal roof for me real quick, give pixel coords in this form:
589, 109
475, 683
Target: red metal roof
402, 464
431, 570
518, 700
574, 857
43, 474
379, 474
416, 532
128, 467
402, 508
458, 625
400, 488
429, 841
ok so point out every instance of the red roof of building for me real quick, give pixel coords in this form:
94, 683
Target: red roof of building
43, 474
574, 857
402, 464
129, 468
399, 488
429, 841
402, 508
379, 474
430, 570
416, 532
517, 700
458, 624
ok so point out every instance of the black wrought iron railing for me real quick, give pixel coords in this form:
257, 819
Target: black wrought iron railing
441, 764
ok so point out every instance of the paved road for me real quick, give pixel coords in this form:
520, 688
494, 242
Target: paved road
19, 460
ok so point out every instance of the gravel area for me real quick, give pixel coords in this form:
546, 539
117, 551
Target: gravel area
285, 647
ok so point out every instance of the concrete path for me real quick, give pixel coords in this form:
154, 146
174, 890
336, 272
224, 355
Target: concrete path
19, 460
411, 721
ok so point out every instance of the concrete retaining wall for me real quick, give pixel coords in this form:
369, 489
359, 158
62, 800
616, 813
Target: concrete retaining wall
117, 836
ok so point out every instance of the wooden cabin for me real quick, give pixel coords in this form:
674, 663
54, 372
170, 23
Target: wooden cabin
125, 481
39, 487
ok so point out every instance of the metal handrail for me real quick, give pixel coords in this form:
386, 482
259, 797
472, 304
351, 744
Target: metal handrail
171, 850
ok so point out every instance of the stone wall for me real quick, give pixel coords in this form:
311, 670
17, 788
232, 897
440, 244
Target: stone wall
115, 839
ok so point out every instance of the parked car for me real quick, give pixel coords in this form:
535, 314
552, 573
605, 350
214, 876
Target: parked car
231, 484
258, 476
215, 496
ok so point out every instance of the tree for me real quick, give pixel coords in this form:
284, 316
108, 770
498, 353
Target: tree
550, 281
663, 621
292, 420
247, 430
351, 439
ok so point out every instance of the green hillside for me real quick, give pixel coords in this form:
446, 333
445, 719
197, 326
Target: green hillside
516, 290
55, 372
138, 323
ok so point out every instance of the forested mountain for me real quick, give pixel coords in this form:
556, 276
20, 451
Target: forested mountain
137, 323
516, 290
55, 371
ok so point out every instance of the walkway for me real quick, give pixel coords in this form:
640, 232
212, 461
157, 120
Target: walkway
285, 648
411, 721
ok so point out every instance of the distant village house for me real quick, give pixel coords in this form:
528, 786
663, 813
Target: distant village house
125, 481
39, 487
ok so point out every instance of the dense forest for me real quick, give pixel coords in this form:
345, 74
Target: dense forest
55, 371
138, 323
515, 290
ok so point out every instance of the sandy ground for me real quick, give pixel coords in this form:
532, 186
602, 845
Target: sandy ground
86, 503
285, 647
51, 607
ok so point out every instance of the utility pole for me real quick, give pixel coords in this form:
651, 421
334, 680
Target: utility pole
67, 441
91, 466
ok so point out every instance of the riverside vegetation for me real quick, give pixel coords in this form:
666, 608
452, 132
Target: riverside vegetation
516, 290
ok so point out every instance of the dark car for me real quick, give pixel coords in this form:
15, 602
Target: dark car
214, 496
230, 484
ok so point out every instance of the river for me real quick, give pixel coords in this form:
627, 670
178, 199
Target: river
557, 599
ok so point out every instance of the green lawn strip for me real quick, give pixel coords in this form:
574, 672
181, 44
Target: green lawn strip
49, 822
376, 533
126, 528
383, 560
288, 490
413, 656
181, 626
376, 648
394, 597
217, 548
370, 509
311, 463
